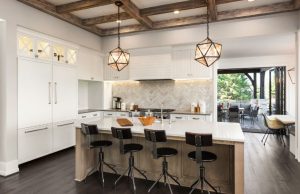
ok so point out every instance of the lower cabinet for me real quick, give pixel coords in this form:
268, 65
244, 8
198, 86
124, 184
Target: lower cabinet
34, 142
191, 117
63, 135
115, 114
38, 141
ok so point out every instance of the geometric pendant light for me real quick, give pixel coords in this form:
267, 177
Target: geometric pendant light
208, 52
118, 59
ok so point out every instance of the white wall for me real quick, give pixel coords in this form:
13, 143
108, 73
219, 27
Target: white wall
16, 13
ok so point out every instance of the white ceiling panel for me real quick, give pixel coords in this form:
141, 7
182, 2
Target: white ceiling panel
61, 2
184, 13
97, 11
246, 4
152, 3
114, 24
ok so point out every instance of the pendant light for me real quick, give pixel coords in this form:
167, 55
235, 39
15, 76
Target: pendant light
118, 59
208, 52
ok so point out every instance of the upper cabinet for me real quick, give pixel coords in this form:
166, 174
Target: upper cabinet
45, 49
155, 66
90, 65
111, 74
185, 67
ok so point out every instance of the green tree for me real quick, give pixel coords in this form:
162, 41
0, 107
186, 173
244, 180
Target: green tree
234, 87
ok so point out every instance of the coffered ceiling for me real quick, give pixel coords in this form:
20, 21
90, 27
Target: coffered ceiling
99, 16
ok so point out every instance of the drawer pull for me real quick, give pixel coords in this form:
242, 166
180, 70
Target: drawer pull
95, 115
35, 130
61, 125
83, 117
196, 118
109, 114
178, 117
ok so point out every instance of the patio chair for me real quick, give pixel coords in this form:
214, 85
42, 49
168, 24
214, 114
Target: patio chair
275, 127
246, 112
254, 114
233, 114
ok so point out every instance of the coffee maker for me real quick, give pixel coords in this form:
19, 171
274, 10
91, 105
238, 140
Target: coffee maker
116, 102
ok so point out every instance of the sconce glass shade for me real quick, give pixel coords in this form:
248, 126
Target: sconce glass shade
208, 52
292, 75
118, 59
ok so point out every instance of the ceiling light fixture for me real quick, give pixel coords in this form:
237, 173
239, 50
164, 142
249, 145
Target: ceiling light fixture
251, 0
176, 12
208, 52
118, 59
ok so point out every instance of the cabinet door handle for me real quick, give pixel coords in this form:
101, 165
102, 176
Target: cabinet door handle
35, 130
40, 51
178, 117
196, 118
49, 91
95, 115
83, 117
61, 125
55, 90
109, 114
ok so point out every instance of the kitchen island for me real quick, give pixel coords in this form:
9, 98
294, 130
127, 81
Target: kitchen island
227, 172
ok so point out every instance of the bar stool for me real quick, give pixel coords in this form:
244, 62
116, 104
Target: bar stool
122, 134
199, 141
156, 136
91, 131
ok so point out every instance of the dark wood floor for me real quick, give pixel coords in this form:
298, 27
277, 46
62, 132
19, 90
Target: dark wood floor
268, 170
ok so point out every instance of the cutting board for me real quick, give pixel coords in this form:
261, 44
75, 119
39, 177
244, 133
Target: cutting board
124, 122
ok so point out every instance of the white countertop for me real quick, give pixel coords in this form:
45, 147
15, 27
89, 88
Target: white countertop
220, 130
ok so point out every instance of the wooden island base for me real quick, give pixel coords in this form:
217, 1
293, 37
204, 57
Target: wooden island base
227, 172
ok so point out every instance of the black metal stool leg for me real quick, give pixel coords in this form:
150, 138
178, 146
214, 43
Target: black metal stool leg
169, 185
133, 181
110, 167
155, 183
141, 173
172, 177
213, 188
195, 186
127, 170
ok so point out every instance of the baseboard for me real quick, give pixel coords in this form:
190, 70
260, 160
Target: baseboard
8, 168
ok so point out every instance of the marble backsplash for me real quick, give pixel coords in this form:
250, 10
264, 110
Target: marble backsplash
177, 94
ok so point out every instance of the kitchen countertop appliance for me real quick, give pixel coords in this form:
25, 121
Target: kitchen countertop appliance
116, 102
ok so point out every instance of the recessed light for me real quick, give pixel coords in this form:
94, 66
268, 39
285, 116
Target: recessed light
251, 0
176, 12
119, 21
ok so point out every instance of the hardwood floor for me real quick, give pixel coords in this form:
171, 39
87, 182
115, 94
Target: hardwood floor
269, 169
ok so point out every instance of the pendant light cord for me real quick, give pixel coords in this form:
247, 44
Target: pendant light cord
119, 26
207, 19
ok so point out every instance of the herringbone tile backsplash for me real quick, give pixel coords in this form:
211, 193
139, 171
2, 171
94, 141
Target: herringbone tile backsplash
173, 94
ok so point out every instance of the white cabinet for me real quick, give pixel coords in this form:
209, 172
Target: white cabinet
63, 135
65, 93
145, 67
185, 67
191, 117
34, 142
64, 54
197, 117
90, 65
33, 47
115, 114
178, 117
111, 74
34, 92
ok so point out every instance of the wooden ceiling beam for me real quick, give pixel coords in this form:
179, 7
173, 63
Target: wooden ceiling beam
191, 20
81, 5
212, 9
297, 4
130, 8
185, 5
49, 8
256, 11
201, 19
105, 19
